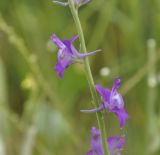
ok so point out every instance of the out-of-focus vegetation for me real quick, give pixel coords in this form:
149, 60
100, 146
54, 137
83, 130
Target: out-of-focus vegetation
39, 114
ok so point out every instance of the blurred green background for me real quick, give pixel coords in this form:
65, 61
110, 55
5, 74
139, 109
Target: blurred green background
39, 114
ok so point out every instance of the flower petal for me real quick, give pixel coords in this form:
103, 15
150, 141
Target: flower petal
69, 42
101, 90
96, 141
62, 65
115, 144
57, 41
116, 101
116, 85
64, 57
122, 116
91, 152
74, 38
71, 49
105, 93
59, 69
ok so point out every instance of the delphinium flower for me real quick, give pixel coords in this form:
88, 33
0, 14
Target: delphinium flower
77, 3
67, 54
115, 144
112, 101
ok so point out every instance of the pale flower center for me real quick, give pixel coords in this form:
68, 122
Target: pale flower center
116, 101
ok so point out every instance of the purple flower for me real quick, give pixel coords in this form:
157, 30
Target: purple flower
115, 144
67, 54
112, 101
77, 3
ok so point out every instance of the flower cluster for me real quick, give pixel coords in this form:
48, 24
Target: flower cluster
111, 99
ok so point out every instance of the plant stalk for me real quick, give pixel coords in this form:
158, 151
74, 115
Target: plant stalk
99, 115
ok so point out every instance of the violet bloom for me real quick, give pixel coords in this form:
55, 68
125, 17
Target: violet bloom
112, 101
67, 54
77, 3
115, 144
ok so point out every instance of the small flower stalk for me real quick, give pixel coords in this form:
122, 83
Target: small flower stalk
111, 100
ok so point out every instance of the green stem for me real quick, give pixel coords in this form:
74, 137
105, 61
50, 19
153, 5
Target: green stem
99, 115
